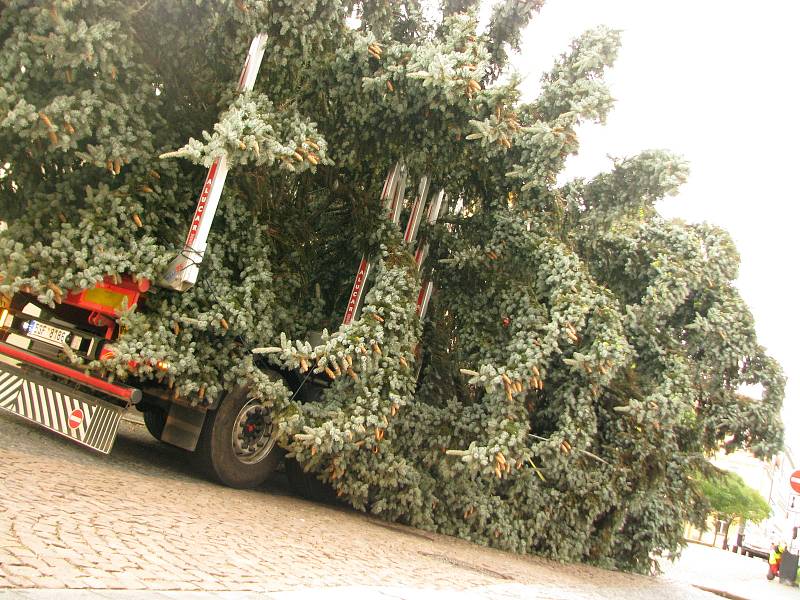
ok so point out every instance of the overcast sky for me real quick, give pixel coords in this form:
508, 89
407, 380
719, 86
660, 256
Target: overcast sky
716, 81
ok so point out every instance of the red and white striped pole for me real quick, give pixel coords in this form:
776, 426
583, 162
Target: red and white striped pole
183, 270
392, 200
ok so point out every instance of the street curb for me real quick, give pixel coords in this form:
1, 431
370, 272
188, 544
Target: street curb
722, 593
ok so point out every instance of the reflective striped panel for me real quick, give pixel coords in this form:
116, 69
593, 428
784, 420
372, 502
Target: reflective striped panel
71, 413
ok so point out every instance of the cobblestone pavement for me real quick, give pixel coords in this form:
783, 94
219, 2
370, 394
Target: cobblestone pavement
81, 526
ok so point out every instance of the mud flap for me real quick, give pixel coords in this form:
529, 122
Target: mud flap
69, 412
183, 426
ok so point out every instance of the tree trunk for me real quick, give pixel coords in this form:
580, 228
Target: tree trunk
740, 536
725, 535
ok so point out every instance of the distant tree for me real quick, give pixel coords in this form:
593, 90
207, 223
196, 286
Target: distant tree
731, 499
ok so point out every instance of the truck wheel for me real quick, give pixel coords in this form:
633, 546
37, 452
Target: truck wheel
154, 420
237, 445
306, 485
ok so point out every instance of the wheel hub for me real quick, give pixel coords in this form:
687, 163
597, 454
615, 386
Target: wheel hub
252, 438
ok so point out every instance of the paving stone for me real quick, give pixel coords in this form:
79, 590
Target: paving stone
139, 524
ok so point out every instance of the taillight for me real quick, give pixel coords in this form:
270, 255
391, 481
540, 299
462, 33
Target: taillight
108, 353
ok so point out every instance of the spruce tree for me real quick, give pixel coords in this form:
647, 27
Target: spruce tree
582, 354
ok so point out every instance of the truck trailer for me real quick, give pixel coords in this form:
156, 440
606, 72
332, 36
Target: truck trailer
231, 437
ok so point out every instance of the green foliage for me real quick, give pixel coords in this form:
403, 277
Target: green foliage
731, 498
582, 353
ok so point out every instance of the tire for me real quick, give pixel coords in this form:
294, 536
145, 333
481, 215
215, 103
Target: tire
155, 419
306, 485
236, 446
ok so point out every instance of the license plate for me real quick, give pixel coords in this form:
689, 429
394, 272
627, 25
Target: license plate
47, 333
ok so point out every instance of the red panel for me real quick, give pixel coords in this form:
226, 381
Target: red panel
127, 286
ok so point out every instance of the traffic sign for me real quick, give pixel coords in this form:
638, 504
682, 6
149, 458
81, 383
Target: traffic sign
794, 481
76, 418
